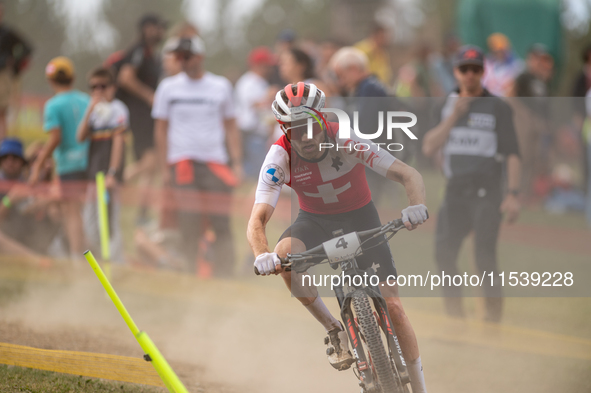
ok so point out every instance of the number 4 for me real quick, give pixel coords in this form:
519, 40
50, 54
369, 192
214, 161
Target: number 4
342, 243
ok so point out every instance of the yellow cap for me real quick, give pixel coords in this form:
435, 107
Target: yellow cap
498, 41
58, 64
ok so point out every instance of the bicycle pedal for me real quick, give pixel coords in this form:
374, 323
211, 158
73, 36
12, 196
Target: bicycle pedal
347, 365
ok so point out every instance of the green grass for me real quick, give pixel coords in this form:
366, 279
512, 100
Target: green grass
19, 379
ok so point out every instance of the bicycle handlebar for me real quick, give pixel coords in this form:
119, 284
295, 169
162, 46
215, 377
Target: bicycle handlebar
392, 226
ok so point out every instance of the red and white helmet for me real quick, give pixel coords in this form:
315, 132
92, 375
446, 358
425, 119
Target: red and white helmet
291, 102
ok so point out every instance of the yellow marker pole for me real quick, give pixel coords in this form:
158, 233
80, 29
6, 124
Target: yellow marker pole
103, 216
166, 373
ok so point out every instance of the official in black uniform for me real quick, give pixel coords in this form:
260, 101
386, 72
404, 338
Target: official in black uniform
475, 132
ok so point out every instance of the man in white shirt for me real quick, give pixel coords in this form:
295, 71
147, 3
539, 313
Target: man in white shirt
252, 102
199, 148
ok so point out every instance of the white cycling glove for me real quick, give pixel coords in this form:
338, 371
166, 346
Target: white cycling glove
416, 214
266, 262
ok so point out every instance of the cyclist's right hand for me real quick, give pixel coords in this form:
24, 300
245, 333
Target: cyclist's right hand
266, 263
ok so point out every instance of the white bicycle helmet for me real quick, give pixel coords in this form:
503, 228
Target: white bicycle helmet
291, 102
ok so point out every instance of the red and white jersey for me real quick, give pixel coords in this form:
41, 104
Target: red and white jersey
334, 184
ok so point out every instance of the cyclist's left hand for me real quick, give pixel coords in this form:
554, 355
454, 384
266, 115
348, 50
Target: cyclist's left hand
414, 216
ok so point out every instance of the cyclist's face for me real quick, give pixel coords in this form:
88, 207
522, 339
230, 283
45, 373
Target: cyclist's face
297, 132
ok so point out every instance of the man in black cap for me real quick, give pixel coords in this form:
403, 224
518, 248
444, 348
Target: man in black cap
138, 75
475, 132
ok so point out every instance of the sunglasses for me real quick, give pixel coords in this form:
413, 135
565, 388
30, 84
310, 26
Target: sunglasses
183, 55
476, 69
99, 86
298, 130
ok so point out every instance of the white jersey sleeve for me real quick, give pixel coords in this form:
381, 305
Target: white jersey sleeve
274, 174
364, 151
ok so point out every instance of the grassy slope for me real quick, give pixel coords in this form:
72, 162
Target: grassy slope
19, 379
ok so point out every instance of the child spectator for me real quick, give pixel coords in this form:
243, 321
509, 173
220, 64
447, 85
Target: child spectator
27, 225
104, 123
62, 114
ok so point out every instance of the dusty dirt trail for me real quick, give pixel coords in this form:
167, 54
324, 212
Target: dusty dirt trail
232, 336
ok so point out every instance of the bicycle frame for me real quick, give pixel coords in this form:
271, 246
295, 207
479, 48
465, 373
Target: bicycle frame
350, 267
348, 264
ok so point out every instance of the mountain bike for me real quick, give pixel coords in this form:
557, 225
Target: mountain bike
379, 367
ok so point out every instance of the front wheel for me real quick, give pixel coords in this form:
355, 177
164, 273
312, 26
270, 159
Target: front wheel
375, 346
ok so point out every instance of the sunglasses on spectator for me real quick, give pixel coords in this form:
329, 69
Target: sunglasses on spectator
183, 55
99, 86
476, 69
300, 129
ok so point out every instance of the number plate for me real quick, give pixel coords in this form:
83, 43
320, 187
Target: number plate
342, 247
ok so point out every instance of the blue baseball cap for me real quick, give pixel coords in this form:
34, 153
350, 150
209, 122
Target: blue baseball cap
12, 146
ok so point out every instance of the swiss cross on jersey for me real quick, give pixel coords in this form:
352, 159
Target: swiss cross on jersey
336, 183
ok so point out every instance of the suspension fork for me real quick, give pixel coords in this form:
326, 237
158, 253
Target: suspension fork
388, 328
363, 365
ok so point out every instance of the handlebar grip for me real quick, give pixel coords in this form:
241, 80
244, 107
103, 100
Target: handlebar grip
398, 222
283, 260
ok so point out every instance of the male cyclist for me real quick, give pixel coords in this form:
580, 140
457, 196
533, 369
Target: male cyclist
333, 194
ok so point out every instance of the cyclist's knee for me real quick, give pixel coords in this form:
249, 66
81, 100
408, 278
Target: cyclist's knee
286, 275
289, 245
395, 308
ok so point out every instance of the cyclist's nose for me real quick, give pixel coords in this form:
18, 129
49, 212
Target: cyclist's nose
310, 130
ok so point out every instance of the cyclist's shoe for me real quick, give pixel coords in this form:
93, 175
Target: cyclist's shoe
338, 352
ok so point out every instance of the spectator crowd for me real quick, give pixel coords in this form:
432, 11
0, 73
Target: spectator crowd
201, 136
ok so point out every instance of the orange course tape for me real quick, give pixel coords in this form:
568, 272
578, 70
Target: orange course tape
97, 365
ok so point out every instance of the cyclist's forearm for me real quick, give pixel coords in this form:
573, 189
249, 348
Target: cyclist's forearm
415, 190
257, 239
411, 179
255, 232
